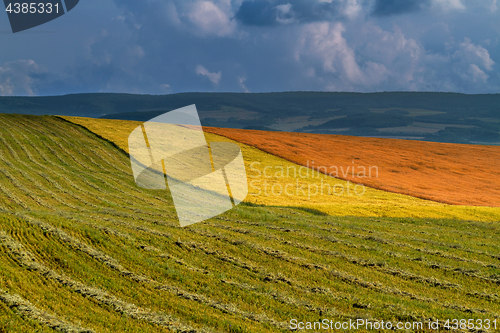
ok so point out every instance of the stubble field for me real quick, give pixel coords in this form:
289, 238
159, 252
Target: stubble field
83, 249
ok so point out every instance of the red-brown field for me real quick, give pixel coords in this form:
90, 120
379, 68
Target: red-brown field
448, 173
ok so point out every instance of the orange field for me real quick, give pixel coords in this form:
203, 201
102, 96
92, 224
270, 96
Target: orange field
449, 173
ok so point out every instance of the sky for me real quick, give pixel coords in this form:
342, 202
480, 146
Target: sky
171, 46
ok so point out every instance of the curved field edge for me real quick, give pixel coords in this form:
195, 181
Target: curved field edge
315, 191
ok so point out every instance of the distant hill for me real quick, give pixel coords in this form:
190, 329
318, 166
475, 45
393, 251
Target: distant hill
444, 117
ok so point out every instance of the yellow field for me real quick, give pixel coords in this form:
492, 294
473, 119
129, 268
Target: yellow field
274, 181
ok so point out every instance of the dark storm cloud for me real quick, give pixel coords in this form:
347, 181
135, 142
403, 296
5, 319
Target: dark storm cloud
394, 7
257, 13
168, 46
268, 13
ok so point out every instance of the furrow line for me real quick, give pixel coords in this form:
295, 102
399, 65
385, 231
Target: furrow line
77, 175
422, 240
285, 299
87, 249
116, 185
271, 277
115, 265
45, 134
376, 286
21, 187
28, 310
224, 307
353, 260
27, 260
60, 135
55, 122
13, 197
125, 172
68, 192
370, 238
281, 298
40, 173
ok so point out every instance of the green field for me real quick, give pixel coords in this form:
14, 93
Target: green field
82, 249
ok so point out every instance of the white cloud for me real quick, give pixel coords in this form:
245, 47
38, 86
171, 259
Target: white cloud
165, 87
241, 82
352, 8
213, 77
172, 13
472, 62
137, 51
493, 6
284, 14
316, 52
449, 4
199, 17
402, 56
153, 42
19, 77
476, 74
324, 43
474, 54
210, 19
376, 60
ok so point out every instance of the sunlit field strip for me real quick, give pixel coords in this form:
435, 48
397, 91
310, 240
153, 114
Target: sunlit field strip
374, 203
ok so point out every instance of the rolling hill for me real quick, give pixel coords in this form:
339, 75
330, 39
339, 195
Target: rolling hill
82, 249
441, 117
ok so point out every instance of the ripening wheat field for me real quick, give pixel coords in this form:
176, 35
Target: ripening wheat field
82, 249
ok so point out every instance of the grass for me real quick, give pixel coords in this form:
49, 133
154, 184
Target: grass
313, 191
83, 248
